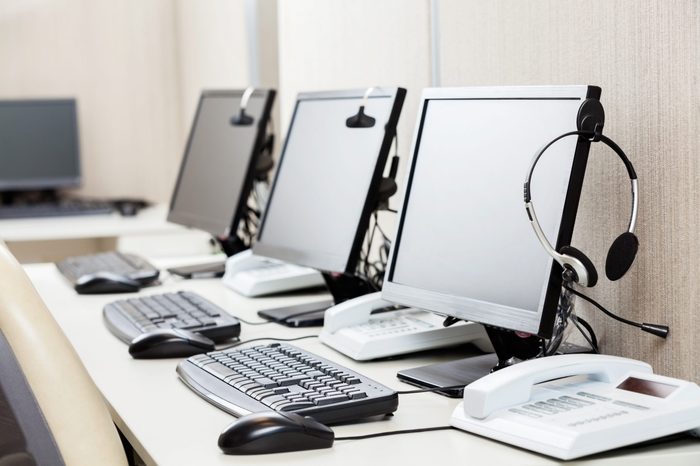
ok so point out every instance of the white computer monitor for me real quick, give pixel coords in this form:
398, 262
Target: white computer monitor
464, 246
328, 178
217, 169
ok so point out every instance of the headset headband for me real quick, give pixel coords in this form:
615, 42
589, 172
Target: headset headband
592, 136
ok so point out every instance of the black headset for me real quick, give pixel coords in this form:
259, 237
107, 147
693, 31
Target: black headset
387, 185
577, 266
623, 250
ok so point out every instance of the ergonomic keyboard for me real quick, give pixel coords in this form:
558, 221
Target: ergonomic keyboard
283, 377
128, 318
56, 209
127, 265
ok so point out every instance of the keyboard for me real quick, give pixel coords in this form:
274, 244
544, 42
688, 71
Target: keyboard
128, 265
128, 318
283, 377
56, 209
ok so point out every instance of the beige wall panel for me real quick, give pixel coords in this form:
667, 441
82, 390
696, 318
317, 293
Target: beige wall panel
212, 50
118, 59
339, 44
646, 58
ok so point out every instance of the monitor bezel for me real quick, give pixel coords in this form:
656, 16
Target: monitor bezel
261, 129
48, 183
397, 94
449, 304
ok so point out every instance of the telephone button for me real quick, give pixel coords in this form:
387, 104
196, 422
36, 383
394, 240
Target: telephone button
539, 409
524, 413
578, 401
594, 396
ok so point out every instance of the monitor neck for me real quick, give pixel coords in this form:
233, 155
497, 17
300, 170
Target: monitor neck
344, 287
512, 347
232, 244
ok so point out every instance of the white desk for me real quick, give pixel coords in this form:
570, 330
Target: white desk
53, 238
170, 425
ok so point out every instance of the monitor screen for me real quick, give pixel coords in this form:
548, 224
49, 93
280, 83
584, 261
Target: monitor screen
464, 246
38, 144
326, 182
216, 173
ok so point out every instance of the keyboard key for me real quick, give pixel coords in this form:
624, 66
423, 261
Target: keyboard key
267, 383
330, 399
219, 370
297, 405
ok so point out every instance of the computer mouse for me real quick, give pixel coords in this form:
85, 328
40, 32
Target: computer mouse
129, 207
169, 343
274, 432
105, 282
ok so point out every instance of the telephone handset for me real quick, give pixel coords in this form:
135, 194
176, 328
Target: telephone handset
568, 406
505, 388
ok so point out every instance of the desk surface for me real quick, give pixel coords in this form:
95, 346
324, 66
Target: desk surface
170, 425
150, 220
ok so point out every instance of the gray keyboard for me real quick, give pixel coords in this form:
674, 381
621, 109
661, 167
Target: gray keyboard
128, 265
128, 318
283, 377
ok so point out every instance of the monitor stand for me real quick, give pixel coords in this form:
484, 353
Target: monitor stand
341, 287
510, 348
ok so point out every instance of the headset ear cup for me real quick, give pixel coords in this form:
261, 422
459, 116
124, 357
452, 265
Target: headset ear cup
587, 263
621, 255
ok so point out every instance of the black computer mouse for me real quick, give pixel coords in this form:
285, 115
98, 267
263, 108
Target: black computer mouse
129, 207
169, 343
274, 432
105, 282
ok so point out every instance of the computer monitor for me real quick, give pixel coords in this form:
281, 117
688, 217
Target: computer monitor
39, 148
218, 168
327, 181
464, 247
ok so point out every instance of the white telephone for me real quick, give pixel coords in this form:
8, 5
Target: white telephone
252, 275
352, 329
539, 406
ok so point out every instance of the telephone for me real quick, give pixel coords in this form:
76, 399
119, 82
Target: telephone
363, 329
573, 405
252, 275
